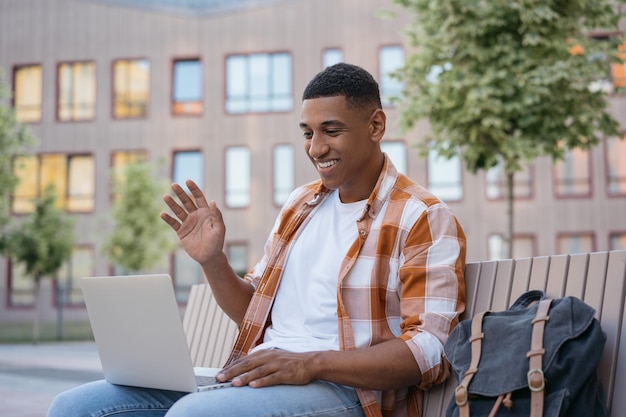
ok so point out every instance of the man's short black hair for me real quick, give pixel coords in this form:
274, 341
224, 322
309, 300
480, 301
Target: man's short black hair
353, 82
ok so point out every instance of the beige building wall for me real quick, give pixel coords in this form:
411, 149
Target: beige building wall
52, 31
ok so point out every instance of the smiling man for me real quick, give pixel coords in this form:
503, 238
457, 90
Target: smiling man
361, 282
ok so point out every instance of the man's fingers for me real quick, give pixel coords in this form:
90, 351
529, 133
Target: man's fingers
175, 224
197, 194
175, 207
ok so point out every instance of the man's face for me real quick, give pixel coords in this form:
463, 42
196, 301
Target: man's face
342, 144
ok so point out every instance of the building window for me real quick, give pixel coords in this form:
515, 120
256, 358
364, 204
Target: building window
523, 247
119, 161
73, 178
617, 241
284, 169
27, 93
396, 150
572, 174
570, 243
77, 91
188, 165
81, 264
616, 166
496, 183
131, 88
21, 286
444, 177
187, 88
331, 56
258, 83
238, 257
81, 183
391, 58
237, 176
187, 272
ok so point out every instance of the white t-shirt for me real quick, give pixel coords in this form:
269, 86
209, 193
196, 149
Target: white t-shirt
304, 316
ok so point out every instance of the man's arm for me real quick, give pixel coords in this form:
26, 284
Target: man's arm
201, 231
388, 365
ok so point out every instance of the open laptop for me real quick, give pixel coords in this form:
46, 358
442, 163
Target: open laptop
139, 334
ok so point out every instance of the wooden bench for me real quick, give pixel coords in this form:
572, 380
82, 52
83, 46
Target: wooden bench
597, 278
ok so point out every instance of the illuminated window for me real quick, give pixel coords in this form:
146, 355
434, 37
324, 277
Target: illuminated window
331, 56
131, 88
187, 88
396, 150
616, 166
283, 173
496, 184
444, 177
575, 243
258, 83
237, 176
26, 169
81, 183
188, 165
523, 247
27, 93
119, 161
77, 91
572, 175
390, 58
81, 264
73, 178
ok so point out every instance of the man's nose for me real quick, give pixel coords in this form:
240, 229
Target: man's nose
317, 146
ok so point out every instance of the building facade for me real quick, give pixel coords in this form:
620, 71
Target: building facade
212, 89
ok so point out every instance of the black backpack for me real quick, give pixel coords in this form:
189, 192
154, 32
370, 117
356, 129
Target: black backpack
538, 358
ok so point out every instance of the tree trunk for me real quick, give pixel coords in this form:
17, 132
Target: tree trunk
37, 309
509, 215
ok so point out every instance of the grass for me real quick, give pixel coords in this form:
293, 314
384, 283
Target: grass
23, 332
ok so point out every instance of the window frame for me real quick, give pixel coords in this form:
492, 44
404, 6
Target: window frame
74, 66
128, 107
247, 98
198, 103
16, 96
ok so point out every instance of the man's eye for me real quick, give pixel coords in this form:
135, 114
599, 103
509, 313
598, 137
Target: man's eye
332, 132
307, 135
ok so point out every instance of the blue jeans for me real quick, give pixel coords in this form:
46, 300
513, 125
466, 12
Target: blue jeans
101, 399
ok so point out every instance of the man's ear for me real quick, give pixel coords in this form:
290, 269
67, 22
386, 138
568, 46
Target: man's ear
378, 122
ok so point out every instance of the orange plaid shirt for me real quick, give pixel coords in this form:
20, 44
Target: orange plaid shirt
409, 255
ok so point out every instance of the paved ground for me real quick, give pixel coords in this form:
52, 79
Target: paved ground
30, 376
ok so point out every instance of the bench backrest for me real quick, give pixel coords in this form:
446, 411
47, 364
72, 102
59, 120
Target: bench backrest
598, 278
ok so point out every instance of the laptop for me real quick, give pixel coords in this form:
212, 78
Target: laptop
139, 334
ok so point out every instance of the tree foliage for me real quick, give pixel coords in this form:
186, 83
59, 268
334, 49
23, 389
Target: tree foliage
509, 80
43, 241
15, 139
140, 239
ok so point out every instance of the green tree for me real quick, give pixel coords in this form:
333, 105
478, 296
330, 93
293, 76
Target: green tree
41, 243
15, 140
139, 240
507, 81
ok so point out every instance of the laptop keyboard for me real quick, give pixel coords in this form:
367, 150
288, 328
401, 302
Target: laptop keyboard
205, 380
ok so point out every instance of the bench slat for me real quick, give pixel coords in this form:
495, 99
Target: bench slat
611, 320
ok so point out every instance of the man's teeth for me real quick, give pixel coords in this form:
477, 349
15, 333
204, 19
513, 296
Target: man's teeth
327, 163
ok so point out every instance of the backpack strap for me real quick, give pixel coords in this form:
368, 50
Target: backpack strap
461, 391
536, 381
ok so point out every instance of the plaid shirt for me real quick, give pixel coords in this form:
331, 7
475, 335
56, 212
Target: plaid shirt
409, 255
